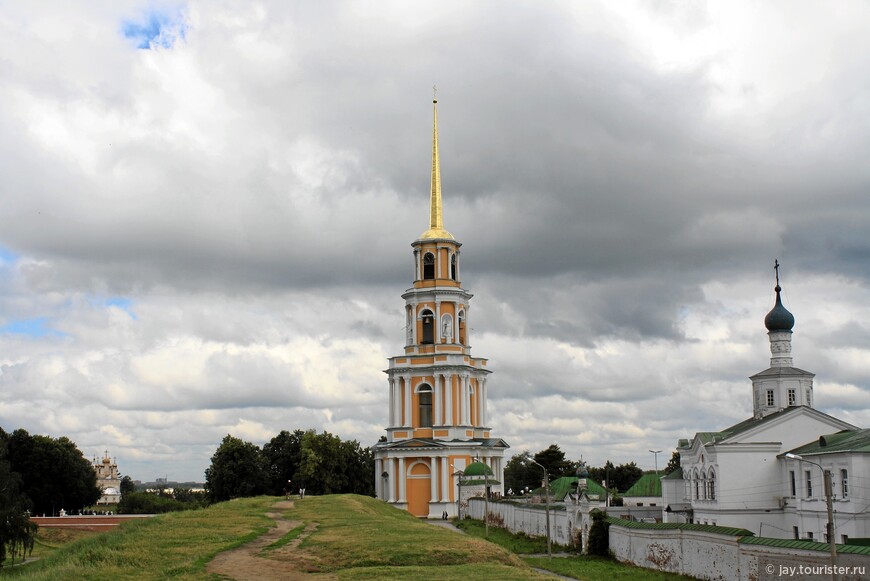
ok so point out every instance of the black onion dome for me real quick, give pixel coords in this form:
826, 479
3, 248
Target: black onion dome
779, 318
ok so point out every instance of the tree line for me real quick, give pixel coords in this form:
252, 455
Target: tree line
39, 475
521, 473
318, 463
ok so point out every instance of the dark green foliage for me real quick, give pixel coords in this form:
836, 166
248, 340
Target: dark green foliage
673, 463
599, 535
617, 478
17, 532
553, 459
520, 473
54, 473
319, 463
160, 502
237, 469
127, 485
282, 456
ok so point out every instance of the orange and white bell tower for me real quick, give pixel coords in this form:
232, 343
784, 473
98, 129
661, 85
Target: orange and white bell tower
438, 421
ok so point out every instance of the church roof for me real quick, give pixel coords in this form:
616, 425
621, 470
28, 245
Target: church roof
674, 475
650, 484
845, 441
752, 423
782, 372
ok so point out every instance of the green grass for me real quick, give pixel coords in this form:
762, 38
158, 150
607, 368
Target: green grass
599, 569
176, 545
362, 538
346, 536
286, 539
515, 543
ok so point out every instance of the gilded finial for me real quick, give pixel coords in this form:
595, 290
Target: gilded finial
436, 220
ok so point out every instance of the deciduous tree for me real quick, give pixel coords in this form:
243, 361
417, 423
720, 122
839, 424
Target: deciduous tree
237, 469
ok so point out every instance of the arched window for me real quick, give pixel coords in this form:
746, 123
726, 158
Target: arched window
697, 484
711, 485
453, 267
425, 405
461, 319
428, 327
428, 266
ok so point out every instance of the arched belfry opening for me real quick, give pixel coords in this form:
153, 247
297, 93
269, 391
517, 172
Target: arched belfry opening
428, 266
453, 267
428, 320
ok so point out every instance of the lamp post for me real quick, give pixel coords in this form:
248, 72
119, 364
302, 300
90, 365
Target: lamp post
546, 506
828, 499
655, 454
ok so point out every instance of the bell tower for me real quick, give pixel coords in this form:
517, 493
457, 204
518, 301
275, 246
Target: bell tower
437, 421
781, 385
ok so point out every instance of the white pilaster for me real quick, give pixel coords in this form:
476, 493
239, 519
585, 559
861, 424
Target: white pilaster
436, 397
391, 479
448, 386
401, 479
433, 478
445, 484
407, 419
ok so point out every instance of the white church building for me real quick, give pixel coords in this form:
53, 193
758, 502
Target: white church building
740, 476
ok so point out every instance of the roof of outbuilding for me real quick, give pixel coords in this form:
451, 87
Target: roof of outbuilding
560, 487
650, 484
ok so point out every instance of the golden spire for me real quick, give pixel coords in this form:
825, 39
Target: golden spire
436, 220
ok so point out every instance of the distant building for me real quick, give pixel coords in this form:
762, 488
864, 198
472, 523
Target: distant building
108, 479
740, 476
438, 417
647, 491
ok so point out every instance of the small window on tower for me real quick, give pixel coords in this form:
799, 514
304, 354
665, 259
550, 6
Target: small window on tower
770, 398
428, 266
792, 397
425, 407
453, 267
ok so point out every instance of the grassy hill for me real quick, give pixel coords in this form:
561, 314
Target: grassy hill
339, 537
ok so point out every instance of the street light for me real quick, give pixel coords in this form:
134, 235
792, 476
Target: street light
655, 454
547, 505
828, 494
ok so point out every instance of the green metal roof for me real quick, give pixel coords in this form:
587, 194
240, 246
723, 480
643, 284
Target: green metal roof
674, 475
478, 469
805, 545
729, 531
650, 484
844, 441
560, 487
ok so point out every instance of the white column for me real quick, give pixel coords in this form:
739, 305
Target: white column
402, 480
448, 399
466, 401
416, 265
436, 397
433, 478
445, 483
437, 321
392, 403
482, 383
456, 322
414, 323
407, 419
391, 479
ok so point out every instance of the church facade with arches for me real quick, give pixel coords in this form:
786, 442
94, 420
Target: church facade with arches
438, 421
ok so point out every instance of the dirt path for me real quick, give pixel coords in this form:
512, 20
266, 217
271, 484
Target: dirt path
251, 563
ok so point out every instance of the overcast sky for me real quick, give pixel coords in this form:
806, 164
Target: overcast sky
206, 212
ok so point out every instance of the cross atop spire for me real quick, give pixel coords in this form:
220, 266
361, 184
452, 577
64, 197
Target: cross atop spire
436, 221
776, 269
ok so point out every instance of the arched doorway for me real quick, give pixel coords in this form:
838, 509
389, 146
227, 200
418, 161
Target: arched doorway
419, 483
